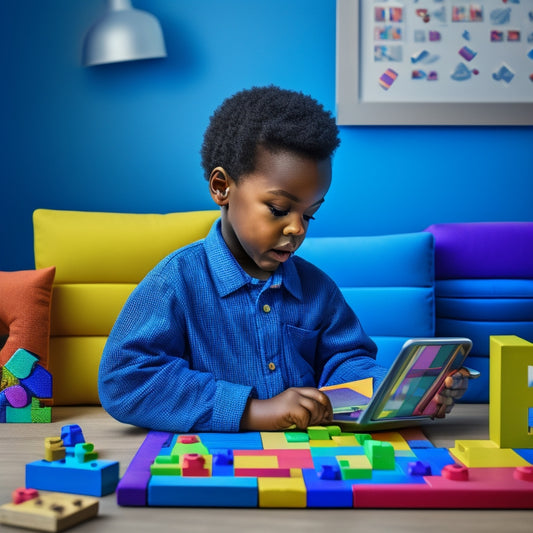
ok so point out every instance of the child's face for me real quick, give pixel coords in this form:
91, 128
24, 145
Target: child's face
268, 211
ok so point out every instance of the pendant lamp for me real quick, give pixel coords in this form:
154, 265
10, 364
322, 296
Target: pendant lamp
123, 33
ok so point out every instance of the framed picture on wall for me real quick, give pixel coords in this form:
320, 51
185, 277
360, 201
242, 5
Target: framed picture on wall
434, 62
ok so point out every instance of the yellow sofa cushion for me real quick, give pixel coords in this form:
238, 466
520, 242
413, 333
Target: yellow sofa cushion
99, 259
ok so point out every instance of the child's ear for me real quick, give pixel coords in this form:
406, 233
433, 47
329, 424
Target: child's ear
219, 183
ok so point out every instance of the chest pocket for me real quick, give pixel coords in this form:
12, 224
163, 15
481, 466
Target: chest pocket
303, 343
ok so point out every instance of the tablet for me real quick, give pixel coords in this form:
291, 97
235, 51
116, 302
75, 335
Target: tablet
406, 396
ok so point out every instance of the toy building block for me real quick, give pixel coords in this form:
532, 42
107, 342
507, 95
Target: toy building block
54, 449
485, 453
511, 394
96, 478
166, 465
179, 491
21, 363
133, 486
380, 454
189, 446
194, 465
296, 436
71, 435
282, 492
84, 452
274, 440
318, 433
355, 467
323, 492
47, 511
39, 413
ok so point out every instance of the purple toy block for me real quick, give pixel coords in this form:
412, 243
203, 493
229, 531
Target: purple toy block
132, 488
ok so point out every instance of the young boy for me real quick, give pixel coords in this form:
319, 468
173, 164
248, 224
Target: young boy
234, 332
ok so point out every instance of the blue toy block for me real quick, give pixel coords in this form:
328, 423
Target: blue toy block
438, 458
203, 492
96, 478
39, 382
235, 441
325, 492
72, 435
327, 451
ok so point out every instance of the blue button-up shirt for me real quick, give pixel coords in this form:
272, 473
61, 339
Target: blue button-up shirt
198, 337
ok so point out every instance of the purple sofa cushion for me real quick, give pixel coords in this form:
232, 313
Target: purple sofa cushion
483, 250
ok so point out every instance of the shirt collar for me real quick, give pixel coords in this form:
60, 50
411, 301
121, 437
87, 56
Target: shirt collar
229, 275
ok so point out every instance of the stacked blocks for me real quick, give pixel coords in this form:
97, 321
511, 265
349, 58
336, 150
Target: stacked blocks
326, 467
381, 470
71, 465
23, 384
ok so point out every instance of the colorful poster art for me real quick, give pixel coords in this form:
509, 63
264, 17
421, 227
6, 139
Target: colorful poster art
446, 51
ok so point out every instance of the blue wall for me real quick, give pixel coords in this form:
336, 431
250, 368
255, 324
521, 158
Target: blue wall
126, 137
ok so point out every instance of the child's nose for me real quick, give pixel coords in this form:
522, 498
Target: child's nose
295, 225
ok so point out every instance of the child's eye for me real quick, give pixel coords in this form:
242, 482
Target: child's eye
308, 218
278, 212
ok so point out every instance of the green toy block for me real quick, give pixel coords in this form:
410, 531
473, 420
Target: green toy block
84, 452
354, 471
181, 448
296, 436
362, 438
7, 379
40, 414
318, 433
166, 465
380, 454
334, 431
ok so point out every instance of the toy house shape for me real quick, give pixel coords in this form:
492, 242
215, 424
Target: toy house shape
511, 392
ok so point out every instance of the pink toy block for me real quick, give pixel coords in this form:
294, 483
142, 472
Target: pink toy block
487, 488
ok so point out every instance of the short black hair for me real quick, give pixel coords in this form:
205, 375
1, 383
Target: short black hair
274, 118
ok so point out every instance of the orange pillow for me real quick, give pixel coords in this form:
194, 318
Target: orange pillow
25, 298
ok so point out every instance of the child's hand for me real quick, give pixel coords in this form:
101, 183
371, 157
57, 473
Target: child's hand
297, 406
455, 386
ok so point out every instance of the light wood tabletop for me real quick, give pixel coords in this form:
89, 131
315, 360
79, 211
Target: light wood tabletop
24, 443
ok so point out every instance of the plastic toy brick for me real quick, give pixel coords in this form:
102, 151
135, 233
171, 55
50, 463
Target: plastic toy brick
318, 433
21, 363
326, 492
54, 449
485, 453
380, 454
71, 435
177, 491
96, 478
47, 511
133, 486
296, 436
510, 393
282, 492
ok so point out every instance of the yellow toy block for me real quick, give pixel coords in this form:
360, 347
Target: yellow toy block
511, 394
322, 443
485, 454
345, 440
282, 492
54, 449
255, 461
397, 441
277, 441
355, 466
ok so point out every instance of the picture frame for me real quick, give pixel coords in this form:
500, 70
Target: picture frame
466, 74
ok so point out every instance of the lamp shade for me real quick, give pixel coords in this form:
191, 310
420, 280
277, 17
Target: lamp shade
123, 34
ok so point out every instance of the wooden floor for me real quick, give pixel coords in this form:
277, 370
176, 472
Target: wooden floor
23, 443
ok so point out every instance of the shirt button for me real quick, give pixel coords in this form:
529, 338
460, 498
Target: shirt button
266, 308
271, 366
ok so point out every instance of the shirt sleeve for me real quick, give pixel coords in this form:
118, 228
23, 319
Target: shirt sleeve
144, 378
346, 352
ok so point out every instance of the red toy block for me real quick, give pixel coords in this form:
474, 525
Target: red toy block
262, 472
23, 495
194, 466
487, 488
